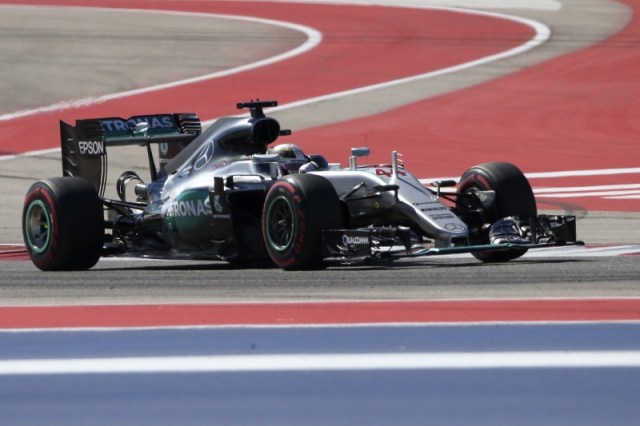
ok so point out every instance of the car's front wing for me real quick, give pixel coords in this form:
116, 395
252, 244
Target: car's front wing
380, 243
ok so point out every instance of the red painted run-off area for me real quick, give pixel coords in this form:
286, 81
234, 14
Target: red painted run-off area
579, 111
283, 314
575, 112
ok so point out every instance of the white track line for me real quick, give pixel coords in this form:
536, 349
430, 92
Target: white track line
587, 188
576, 173
314, 38
558, 174
567, 252
581, 251
609, 191
593, 194
542, 35
324, 362
623, 197
551, 5
614, 191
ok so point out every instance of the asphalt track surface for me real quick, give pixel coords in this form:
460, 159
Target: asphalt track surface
354, 48
562, 89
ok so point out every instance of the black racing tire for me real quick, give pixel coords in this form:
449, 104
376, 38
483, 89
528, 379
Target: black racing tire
514, 197
63, 224
296, 210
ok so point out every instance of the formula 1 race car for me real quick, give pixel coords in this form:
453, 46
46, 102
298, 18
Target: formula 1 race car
224, 194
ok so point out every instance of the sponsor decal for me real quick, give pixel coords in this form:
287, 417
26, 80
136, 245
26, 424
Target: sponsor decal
388, 172
422, 203
355, 240
216, 204
219, 208
454, 227
189, 208
441, 216
205, 155
91, 147
190, 216
155, 122
432, 209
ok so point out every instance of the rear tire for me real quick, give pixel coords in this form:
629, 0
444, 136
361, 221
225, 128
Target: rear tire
514, 197
296, 210
63, 224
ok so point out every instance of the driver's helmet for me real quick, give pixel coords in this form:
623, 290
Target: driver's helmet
291, 157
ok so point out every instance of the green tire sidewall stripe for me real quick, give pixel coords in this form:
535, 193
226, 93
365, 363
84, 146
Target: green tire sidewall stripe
275, 246
39, 205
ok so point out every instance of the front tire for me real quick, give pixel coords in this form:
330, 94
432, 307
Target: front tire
296, 211
63, 224
514, 197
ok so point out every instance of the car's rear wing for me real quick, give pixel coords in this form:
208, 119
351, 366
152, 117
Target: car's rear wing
84, 146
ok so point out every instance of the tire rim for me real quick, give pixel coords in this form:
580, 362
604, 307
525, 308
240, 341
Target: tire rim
38, 227
280, 224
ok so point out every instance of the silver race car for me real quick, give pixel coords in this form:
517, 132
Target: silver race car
226, 193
